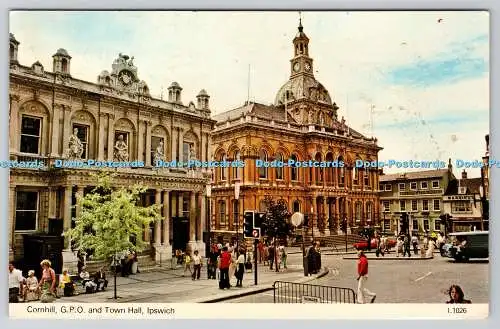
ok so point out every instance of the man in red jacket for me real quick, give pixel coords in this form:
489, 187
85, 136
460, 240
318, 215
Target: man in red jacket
225, 261
363, 293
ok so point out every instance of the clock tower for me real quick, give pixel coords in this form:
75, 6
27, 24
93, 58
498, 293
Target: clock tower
301, 63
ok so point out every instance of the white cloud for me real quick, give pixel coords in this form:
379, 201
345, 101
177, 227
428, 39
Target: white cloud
353, 53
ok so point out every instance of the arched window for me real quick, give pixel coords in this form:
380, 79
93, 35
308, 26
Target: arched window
236, 170
355, 175
222, 168
369, 211
294, 171
12, 51
222, 212
358, 211
263, 170
236, 211
341, 172
366, 177
296, 206
319, 170
64, 67
279, 170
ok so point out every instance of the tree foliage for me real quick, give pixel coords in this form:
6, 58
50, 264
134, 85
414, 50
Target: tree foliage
276, 222
110, 217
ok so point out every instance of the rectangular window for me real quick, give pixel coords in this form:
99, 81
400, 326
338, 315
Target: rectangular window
435, 184
437, 205
155, 143
423, 185
402, 186
355, 176
31, 128
425, 205
236, 212
413, 185
222, 213
380, 187
461, 206
26, 211
388, 187
83, 136
386, 206
415, 225
402, 205
185, 205
426, 225
366, 178
414, 205
387, 225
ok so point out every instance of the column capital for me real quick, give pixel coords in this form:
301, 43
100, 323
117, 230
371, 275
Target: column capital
14, 98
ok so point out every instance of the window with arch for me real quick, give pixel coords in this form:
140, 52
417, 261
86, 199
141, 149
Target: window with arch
366, 177
358, 211
236, 170
222, 169
355, 175
222, 212
12, 51
296, 206
31, 133
294, 171
279, 170
263, 170
369, 211
341, 172
236, 211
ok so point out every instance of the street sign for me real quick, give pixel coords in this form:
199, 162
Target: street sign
310, 299
297, 219
256, 233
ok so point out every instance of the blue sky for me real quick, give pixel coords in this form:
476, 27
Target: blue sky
425, 73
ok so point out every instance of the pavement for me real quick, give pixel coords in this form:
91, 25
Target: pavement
165, 285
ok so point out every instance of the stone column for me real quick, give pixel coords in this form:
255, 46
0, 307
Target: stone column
201, 226
111, 136
67, 128
79, 191
192, 216
180, 203
174, 143
14, 128
157, 236
12, 218
54, 146
148, 143
181, 142
166, 218
52, 202
101, 140
141, 134
69, 257
326, 213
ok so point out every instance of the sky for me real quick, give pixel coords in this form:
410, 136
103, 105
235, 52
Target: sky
417, 81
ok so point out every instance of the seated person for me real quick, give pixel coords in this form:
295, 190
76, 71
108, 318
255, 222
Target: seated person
31, 291
87, 282
66, 283
100, 279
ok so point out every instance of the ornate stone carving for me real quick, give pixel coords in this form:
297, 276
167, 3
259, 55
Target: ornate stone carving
75, 149
159, 154
121, 150
321, 119
310, 117
192, 152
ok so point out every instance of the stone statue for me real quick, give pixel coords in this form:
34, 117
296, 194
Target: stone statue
192, 153
131, 61
321, 118
75, 149
159, 154
343, 121
310, 118
121, 149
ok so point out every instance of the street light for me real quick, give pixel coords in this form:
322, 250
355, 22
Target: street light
237, 196
312, 221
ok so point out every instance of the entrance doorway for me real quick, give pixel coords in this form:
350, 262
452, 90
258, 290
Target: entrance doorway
180, 226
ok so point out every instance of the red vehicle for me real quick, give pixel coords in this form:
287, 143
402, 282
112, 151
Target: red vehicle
363, 245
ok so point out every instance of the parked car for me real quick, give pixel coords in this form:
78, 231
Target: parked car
363, 245
475, 246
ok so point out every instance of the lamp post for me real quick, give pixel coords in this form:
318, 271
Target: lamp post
208, 214
237, 197
312, 221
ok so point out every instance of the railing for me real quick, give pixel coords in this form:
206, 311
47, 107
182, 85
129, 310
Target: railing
290, 292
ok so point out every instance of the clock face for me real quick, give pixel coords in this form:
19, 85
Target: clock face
308, 66
126, 77
296, 67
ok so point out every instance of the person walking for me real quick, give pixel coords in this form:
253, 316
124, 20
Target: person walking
270, 251
363, 292
196, 265
414, 242
283, 256
399, 246
406, 245
187, 264
48, 282
16, 281
240, 263
224, 263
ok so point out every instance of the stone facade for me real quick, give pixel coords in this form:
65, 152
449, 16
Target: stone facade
53, 114
301, 125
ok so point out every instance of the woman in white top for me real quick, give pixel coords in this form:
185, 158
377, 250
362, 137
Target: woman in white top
240, 263
31, 292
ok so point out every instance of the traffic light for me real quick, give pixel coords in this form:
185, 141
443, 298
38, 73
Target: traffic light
259, 218
248, 223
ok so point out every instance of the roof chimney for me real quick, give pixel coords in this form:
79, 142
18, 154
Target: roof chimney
464, 174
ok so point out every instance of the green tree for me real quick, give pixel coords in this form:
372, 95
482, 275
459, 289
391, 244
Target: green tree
276, 222
109, 218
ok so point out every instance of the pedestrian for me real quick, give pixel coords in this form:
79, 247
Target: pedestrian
224, 263
317, 255
414, 242
457, 295
240, 263
196, 266
406, 244
187, 264
283, 257
363, 292
270, 252
311, 259
430, 249
399, 246
48, 282
16, 282
260, 250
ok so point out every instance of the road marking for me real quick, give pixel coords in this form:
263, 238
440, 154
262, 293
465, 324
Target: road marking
423, 277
